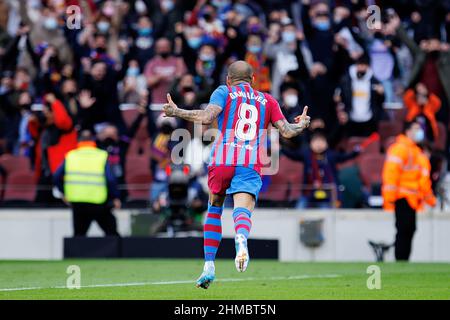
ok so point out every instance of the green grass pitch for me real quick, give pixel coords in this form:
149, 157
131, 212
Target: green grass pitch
264, 279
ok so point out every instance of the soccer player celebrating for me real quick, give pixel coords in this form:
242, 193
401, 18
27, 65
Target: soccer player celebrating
242, 116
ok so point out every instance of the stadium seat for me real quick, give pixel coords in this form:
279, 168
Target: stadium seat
388, 142
352, 142
441, 142
15, 163
137, 164
370, 167
142, 133
129, 115
138, 186
388, 129
140, 147
20, 186
286, 184
2, 187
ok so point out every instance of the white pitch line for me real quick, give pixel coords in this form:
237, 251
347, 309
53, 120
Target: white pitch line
137, 284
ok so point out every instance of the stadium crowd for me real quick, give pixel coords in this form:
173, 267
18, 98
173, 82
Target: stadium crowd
360, 71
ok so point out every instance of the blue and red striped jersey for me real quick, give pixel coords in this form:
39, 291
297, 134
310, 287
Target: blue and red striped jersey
242, 123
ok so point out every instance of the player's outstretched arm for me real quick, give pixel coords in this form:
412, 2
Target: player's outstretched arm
205, 116
290, 130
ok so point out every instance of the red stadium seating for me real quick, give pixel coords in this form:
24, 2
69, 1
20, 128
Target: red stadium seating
137, 164
370, 167
15, 163
140, 147
440, 143
20, 186
138, 185
388, 129
352, 142
286, 184
129, 115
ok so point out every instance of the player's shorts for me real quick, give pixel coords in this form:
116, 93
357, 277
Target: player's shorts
230, 180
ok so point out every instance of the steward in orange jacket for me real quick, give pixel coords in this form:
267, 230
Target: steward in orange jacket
406, 185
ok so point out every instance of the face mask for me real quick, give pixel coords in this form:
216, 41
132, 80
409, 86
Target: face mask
140, 6
166, 128
194, 43
254, 49
103, 26
360, 74
25, 106
133, 72
167, 5
322, 25
71, 94
208, 17
164, 55
288, 36
419, 136
220, 3
291, 100
145, 32
50, 23
207, 57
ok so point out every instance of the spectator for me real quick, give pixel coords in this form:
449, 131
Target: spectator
257, 59
54, 135
423, 106
320, 180
431, 64
162, 69
362, 97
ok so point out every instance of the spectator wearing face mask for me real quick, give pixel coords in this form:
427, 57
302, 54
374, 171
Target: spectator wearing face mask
423, 106
258, 60
161, 155
284, 49
45, 24
320, 180
431, 64
362, 96
142, 46
162, 70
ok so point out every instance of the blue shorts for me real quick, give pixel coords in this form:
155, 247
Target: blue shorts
231, 180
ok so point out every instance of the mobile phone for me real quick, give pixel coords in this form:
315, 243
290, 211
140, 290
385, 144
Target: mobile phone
37, 107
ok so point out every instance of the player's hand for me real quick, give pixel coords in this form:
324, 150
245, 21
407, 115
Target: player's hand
170, 107
303, 120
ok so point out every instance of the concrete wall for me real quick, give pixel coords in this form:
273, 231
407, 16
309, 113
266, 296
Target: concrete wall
38, 234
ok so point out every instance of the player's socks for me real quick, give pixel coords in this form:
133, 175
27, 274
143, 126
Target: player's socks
212, 232
242, 221
242, 226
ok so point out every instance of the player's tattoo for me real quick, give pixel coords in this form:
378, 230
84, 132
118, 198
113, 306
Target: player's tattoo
290, 130
205, 116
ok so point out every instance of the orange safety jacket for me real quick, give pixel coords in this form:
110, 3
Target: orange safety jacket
406, 174
425, 183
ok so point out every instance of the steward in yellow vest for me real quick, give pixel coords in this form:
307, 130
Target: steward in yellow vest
88, 184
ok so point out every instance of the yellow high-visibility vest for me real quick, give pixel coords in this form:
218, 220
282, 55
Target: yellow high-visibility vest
84, 178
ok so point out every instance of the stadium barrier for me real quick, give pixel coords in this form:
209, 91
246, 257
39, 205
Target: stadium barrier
39, 233
152, 247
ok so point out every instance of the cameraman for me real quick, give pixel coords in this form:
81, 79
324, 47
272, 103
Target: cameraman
54, 135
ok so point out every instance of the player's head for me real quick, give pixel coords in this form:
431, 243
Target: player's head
238, 72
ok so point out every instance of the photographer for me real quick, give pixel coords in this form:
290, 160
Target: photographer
54, 135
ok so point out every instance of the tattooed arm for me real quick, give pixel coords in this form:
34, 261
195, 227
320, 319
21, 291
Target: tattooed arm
205, 116
290, 130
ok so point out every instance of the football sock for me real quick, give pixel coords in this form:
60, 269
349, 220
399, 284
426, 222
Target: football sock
242, 222
212, 232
